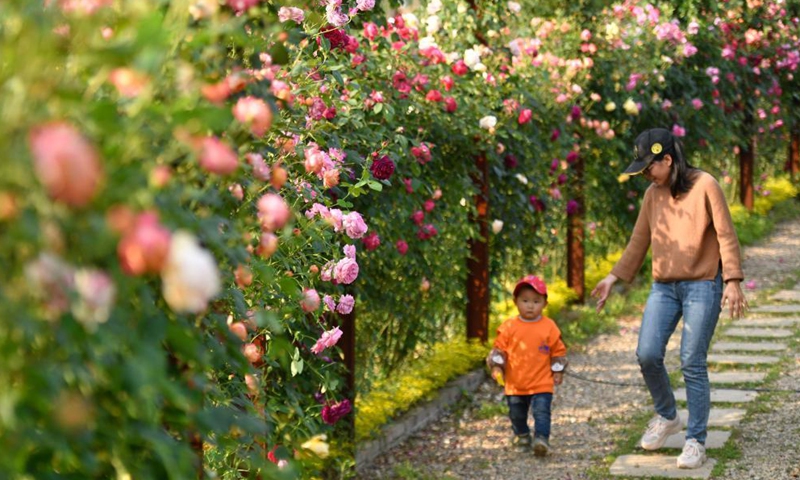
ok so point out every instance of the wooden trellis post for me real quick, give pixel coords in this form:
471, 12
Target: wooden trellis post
478, 260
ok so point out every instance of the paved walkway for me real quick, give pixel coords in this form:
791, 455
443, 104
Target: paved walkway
590, 419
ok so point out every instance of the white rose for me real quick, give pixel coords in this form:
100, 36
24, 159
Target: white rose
433, 24
427, 42
472, 57
190, 276
488, 122
96, 293
497, 225
318, 445
514, 7
434, 6
522, 179
630, 107
411, 20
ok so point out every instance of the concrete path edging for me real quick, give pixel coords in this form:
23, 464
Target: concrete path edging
417, 418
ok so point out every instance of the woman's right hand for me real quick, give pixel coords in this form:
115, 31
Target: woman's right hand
603, 289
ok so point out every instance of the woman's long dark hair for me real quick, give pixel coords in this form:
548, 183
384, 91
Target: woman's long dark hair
681, 178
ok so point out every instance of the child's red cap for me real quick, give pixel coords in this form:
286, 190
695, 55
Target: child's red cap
534, 282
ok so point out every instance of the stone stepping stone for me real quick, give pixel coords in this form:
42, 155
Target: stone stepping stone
715, 439
736, 377
718, 417
723, 395
657, 466
741, 359
767, 322
748, 347
777, 309
758, 332
787, 296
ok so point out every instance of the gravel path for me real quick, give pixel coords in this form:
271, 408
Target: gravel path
588, 417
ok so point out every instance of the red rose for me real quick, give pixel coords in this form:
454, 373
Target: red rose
525, 116
450, 105
433, 96
460, 68
382, 168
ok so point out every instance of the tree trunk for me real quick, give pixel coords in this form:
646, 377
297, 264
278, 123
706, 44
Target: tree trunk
348, 345
746, 162
576, 255
478, 261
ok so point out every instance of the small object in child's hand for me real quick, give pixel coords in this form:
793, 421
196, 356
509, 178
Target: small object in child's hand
498, 359
557, 367
497, 374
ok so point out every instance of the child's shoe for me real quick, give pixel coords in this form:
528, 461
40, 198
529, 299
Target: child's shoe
522, 442
541, 447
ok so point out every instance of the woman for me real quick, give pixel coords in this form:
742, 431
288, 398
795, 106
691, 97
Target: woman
685, 219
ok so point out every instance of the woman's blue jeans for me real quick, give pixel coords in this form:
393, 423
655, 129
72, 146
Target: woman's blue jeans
539, 404
699, 304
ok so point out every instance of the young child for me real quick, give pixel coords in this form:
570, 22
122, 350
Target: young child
529, 358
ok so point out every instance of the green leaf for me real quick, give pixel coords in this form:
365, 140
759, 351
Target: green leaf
377, 108
377, 186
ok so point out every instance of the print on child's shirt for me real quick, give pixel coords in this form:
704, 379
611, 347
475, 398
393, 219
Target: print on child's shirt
544, 348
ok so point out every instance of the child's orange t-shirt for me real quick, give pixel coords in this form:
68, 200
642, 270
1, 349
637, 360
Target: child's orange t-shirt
529, 346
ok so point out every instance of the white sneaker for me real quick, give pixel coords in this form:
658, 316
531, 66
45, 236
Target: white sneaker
693, 455
658, 430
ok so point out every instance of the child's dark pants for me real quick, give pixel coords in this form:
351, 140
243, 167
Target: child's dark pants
539, 404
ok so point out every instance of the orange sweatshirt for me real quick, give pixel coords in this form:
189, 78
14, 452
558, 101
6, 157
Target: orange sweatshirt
529, 346
689, 235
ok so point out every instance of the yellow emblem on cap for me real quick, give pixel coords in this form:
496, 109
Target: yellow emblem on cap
656, 148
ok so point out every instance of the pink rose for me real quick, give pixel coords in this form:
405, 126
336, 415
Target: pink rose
216, 156
242, 5
350, 251
328, 301
525, 116
402, 247
268, 245
354, 225
67, 165
427, 232
254, 112
128, 82
143, 249
418, 217
291, 13
346, 304
310, 301
370, 31
260, 168
429, 205
332, 413
327, 340
272, 212
330, 178
236, 191
346, 271
572, 157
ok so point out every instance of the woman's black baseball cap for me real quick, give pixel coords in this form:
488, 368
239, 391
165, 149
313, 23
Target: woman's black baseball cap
649, 146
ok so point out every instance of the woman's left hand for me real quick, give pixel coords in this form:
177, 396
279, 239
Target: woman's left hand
734, 297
